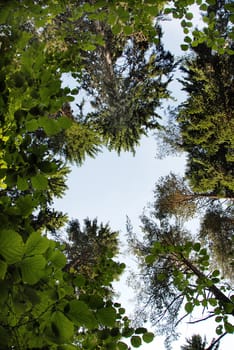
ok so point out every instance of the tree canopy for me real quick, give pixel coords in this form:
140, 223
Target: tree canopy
56, 293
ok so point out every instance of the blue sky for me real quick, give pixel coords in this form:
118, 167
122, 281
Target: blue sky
111, 187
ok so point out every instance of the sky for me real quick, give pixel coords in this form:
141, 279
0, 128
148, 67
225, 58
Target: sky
111, 187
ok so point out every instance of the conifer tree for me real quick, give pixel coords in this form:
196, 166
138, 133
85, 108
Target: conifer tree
90, 251
203, 118
196, 343
175, 269
199, 125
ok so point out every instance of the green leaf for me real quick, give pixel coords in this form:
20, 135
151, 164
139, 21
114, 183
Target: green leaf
167, 10
25, 205
81, 315
184, 47
218, 319
11, 246
140, 330
215, 273
161, 277
31, 125
136, 341
188, 307
39, 182
58, 259
212, 301
121, 311
50, 126
3, 269
122, 346
197, 247
79, 281
62, 327
36, 244
229, 328
229, 308
150, 259
203, 251
128, 30
189, 15
187, 39
33, 269
127, 332
89, 47
96, 302
203, 7
219, 329
116, 29
32, 295
67, 347
64, 122
148, 337
22, 183
106, 316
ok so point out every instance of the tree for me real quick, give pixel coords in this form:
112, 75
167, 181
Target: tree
196, 343
136, 74
208, 143
198, 125
173, 197
175, 200
216, 232
41, 306
90, 252
175, 271
199, 122
124, 87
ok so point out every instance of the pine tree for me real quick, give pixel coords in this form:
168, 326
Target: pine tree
90, 251
126, 86
175, 268
216, 232
194, 343
203, 118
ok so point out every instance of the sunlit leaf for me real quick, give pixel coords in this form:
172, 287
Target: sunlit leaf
33, 269
81, 315
36, 244
39, 182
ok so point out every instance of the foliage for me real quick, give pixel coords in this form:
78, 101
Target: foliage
90, 252
175, 268
209, 144
217, 233
199, 123
196, 343
197, 126
125, 86
215, 14
39, 301
174, 200
173, 197
42, 305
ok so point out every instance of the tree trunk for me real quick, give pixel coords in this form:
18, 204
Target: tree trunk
220, 296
